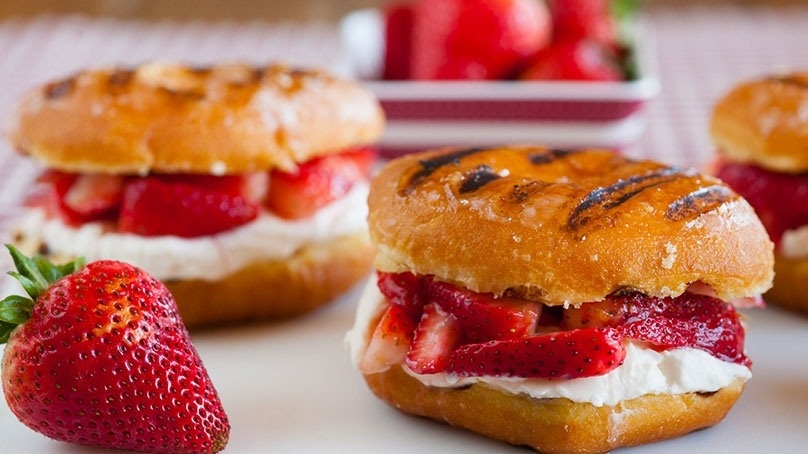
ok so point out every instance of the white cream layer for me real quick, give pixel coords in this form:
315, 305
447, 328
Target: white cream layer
644, 371
211, 257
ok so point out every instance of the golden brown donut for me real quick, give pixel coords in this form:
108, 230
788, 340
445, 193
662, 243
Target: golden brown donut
575, 226
759, 122
563, 228
555, 425
172, 118
762, 122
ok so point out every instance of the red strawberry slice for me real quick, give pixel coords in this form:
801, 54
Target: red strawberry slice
153, 207
435, 338
696, 321
47, 194
484, 317
561, 355
252, 186
390, 340
456, 39
398, 42
92, 196
318, 182
778, 198
573, 60
75, 198
405, 290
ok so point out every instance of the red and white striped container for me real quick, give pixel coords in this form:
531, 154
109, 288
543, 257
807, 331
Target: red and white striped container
426, 114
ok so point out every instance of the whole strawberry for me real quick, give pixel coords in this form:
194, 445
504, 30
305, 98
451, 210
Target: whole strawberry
476, 39
99, 356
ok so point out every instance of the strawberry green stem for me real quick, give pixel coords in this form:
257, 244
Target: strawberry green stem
35, 274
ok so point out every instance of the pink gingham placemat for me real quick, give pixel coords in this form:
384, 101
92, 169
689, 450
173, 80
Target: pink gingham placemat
701, 52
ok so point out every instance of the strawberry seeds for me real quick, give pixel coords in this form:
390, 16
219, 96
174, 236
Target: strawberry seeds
439, 327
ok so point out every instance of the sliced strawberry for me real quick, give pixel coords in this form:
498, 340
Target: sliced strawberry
573, 60
77, 198
317, 183
398, 41
252, 186
689, 320
435, 338
461, 39
779, 198
562, 355
390, 340
154, 207
484, 317
93, 196
59, 181
405, 290
47, 193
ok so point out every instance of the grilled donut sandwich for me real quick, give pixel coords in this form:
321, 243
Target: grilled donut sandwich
241, 187
760, 132
566, 300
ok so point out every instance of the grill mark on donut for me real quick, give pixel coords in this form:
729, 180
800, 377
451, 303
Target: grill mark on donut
200, 70
698, 202
550, 155
193, 95
791, 80
521, 192
430, 166
119, 79
478, 178
60, 88
597, 203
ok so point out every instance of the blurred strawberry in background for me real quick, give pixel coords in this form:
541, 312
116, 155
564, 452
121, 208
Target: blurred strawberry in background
583, 19
509, 39
476, 39
397, 34
574, 59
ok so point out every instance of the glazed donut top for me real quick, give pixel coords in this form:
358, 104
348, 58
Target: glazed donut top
764, 122
565, 226
172, 118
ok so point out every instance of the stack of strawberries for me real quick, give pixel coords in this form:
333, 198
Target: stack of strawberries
506, 40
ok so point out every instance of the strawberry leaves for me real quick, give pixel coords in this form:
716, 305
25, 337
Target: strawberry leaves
35, 274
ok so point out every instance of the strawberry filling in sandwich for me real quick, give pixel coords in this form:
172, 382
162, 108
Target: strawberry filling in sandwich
567, 300
447, 335
220, 181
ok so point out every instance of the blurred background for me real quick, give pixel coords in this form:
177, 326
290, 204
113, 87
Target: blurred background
246, 9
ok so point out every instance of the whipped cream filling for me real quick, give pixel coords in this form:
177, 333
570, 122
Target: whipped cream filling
211, 257
794, 243
644, 371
